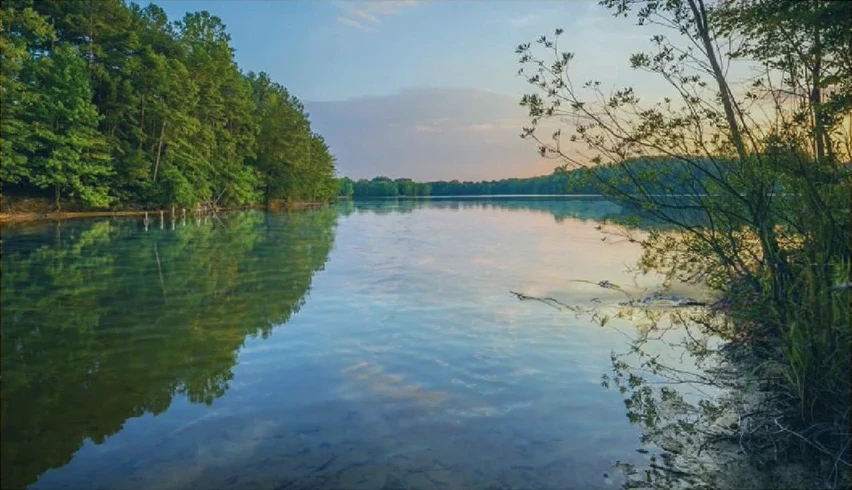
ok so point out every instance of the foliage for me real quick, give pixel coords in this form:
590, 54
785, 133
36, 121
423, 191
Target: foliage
65, 148
764, 163
345, 187
111, 103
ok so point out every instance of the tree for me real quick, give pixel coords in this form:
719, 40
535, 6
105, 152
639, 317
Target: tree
177, 120
23, 32
283, 144
346, 187
817, 41
319, 179
761, 162
228, 127
68, 152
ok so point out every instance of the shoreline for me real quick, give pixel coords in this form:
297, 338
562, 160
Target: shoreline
29, 216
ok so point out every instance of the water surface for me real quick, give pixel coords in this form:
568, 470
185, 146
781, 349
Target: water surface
364, 345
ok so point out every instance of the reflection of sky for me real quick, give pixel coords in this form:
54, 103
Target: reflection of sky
495, 250
410, 360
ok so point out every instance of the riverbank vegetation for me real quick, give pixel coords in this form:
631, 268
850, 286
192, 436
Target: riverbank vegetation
781, 261
112, 105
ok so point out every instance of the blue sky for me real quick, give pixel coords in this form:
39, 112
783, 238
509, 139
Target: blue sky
349, 59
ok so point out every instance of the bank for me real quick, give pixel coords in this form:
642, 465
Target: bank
24, 209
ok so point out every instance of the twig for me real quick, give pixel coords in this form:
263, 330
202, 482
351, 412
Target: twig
673, 471
813, 444
606, 285
220, 196
547, 301
553, 302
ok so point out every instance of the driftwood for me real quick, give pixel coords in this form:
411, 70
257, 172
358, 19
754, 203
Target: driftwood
607, 285
647, 301
552, 302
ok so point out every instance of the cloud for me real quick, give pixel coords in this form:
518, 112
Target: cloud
355, 24
366, 16
524, 20
384, 8
371, 12
426, 128
481, 127
491, 126
429, 134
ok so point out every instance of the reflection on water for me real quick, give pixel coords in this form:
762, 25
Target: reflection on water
102, 321
161, 358
584, 209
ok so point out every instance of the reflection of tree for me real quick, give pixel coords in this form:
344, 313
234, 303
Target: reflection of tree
92, 336
587, 208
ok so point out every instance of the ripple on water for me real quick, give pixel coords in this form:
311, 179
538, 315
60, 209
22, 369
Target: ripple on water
401, 361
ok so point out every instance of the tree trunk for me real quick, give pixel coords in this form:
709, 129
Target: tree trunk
772, 254
91, 35
159, 150
821, 137
268, 192
700, 15
56, 197
142, 122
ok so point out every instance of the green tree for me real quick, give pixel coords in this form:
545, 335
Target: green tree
729, 148
283, 143
346, 187
23, 32
228, 128
68, 152
181, 123
320, 179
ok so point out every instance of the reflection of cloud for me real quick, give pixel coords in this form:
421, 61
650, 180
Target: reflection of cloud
242, 441
393, 385
426, 261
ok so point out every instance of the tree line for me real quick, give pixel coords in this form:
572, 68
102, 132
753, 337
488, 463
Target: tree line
107, 104
562, 181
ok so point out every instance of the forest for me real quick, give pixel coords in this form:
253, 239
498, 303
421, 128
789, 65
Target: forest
107, 104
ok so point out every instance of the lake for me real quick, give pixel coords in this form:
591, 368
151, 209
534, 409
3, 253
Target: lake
363, 345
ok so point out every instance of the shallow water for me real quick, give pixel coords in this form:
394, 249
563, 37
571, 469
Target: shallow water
365, 345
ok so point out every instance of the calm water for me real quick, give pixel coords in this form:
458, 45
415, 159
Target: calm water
358, 346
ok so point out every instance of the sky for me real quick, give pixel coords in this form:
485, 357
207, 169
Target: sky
422, 89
